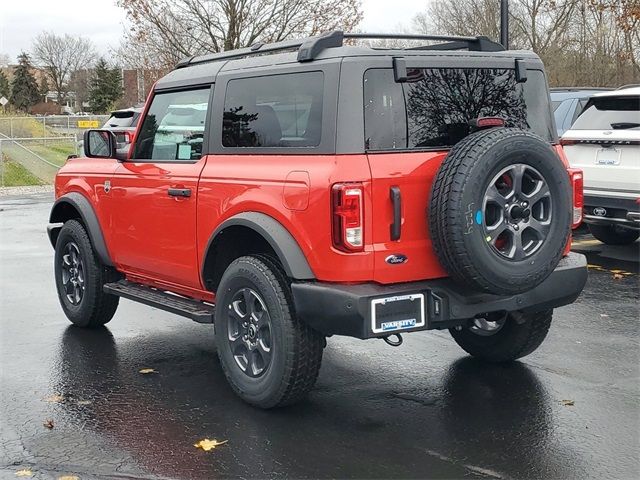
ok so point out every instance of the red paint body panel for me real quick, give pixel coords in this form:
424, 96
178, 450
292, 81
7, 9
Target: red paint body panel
414, 173
231, 184
161, 240
154, 234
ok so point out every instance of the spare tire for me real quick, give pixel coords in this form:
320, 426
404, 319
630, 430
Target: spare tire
500, 211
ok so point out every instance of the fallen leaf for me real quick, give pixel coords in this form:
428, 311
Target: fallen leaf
69, 477
617, 276
568, 403
145, 371
25, 472
207, 444
54, 399
48, 424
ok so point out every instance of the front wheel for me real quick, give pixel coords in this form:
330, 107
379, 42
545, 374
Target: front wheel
80, 277
506, 338
270, 358
614, 234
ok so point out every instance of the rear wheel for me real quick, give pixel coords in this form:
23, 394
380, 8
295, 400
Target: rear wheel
506, 338
269, 357
614, 234
80, 277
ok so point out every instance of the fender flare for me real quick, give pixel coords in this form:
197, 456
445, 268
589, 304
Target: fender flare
277, 236
83, 206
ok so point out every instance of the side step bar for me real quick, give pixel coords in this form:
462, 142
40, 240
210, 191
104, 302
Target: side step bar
195, 310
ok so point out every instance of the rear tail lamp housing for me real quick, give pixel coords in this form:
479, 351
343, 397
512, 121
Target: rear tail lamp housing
347, 211
577, 183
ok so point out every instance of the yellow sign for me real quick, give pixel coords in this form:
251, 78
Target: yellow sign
88, 124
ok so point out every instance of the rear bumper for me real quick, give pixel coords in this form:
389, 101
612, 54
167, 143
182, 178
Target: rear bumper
604, 210
337, 309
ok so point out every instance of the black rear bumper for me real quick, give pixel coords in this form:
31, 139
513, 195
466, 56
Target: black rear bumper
603, 210
337, 309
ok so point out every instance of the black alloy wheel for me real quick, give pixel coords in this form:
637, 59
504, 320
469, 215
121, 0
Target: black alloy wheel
518, 211
249, 332
72, 273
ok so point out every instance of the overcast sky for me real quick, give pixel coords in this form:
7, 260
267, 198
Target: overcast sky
103, 22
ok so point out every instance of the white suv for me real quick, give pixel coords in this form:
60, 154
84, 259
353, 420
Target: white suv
604, 142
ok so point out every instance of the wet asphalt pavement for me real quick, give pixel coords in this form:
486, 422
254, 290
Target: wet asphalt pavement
424, 410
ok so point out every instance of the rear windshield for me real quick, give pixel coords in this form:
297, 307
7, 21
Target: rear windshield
437, 107
122, 119
610, 113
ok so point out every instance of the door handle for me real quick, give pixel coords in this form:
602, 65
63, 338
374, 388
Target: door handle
396, 201
179, 192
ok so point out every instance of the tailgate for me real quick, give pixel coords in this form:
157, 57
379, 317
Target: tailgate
611, 164
412, 175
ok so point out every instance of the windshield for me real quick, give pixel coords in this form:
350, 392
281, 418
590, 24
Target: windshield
610, 113
438, 107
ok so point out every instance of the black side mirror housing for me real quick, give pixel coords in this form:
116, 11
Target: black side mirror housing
100, 144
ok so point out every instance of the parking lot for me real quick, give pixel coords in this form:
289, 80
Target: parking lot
425, 409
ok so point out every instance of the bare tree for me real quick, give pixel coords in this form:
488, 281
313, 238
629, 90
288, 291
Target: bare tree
61, 56
582, 42
168, 30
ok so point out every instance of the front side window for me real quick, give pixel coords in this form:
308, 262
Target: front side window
173, 128
439, 107
274, 111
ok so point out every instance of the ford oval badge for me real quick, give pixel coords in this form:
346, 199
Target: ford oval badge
396, 259
600, 211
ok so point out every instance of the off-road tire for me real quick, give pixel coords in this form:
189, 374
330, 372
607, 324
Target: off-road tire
458, 192
297, 349
96, 307
520, 335
613, 234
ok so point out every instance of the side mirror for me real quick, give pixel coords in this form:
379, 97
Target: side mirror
99, 144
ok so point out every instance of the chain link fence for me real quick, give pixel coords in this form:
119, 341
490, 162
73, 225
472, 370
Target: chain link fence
32, 149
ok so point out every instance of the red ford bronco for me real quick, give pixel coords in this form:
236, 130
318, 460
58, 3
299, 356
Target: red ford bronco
289, 192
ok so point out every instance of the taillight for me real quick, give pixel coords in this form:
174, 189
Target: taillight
128, 136
577, 182
347, 212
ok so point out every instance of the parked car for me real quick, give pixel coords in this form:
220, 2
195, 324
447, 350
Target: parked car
568, 103
123, 124
288, 196
605, 143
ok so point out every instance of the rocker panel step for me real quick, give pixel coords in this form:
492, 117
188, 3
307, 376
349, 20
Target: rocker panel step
197, 311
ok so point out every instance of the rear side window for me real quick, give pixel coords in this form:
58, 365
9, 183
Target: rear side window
438, 106
173, 128
274, 111
610, 113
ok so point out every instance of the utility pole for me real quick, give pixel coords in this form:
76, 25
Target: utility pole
504, 23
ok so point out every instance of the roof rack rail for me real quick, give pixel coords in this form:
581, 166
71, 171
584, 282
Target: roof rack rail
309, 48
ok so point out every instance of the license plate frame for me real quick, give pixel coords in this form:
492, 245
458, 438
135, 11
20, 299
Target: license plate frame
410, 308
608, 156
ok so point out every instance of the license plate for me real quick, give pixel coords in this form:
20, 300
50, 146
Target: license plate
393, 314
608, 156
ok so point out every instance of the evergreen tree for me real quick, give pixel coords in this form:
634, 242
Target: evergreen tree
5, 90
105, 88
24, 88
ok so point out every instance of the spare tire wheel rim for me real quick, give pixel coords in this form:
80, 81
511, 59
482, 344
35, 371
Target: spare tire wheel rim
517, 212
